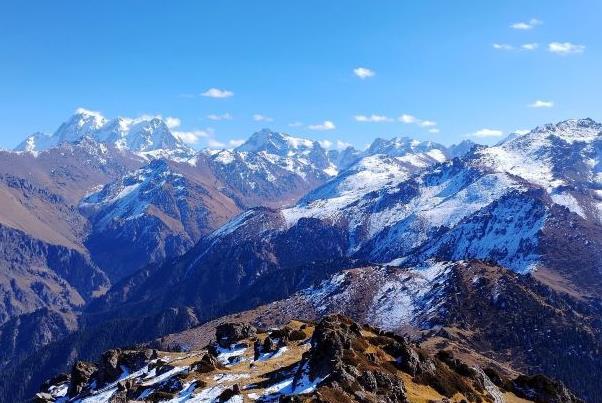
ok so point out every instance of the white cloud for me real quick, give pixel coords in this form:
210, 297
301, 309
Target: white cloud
524, 26
295, 124
530, 46
325, 143
262, 118
503, 46
372, 118
172, 122
565, 48
341, 145
223, 116
434, 131
521, 132
217, 93
338, 144
407, 118
236, 142
488, 133
411, 119
193, 136
427, 123
213, 143
84, 111
541, 104
326, 125
363, 72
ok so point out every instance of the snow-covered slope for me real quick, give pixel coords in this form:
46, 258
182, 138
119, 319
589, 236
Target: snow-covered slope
148, 136
152, 213
494, 203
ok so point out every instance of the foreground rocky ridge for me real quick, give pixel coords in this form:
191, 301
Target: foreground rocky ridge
335, 360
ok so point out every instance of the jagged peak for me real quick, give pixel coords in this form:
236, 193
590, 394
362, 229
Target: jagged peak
399, 146
570, 130
276, 143
141, 134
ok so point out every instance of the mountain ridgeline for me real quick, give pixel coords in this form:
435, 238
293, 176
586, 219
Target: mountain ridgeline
494, 253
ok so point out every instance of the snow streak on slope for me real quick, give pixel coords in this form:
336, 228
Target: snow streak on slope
129, 198
389, 298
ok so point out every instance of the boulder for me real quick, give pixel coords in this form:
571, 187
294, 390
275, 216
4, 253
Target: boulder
228, 394
206, 364
227, 334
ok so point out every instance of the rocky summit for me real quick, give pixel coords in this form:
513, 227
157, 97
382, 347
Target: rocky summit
333, 360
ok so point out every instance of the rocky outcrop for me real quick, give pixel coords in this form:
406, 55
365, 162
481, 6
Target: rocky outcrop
343, 362
339, 356
81, 375
230, 333
542, 389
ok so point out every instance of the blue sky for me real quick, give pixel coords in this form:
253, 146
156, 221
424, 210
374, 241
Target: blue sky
433, 61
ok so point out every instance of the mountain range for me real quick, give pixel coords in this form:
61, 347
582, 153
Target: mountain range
114, 232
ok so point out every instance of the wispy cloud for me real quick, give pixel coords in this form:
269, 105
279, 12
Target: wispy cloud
217, 93
172, 122
434, 130
565, 48
193, 136
503, 46
342, 145
213, 143
258, 117
488, 133
236, 142
295, 124
524, 47
541, 104
372, 118
407, 119
338, 144
223, 116
411, 119
326, 125
530, 46
526, 25
363, 72
327, 144
427, 123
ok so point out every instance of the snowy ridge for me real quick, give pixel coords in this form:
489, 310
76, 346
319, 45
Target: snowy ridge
128, 198
394, 297
147, 136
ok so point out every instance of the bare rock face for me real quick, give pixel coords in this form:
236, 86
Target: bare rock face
81, 374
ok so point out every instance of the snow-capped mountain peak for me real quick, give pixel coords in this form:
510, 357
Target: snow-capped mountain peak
277, 143
572, 130
148, 136
83, 123
400, 146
